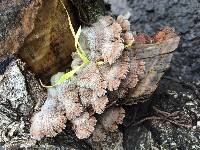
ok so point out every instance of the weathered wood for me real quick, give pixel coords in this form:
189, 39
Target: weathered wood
47, 50
49, 44
157, 58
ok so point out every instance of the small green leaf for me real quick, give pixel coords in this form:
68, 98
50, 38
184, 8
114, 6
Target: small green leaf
78, 33
79, 50
68, 75
99, 63
83, 56
69, 19
129, 45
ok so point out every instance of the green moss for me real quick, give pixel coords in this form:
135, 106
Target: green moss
95, 10
90, 10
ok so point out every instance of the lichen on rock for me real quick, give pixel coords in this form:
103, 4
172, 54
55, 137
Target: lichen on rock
17, 100
13, 86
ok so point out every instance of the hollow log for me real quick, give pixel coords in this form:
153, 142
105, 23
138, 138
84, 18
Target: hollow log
38, 31
47, 49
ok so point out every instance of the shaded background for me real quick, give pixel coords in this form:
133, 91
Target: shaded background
181, 91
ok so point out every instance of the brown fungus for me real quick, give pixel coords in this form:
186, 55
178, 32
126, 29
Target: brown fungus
112, 117
88, 88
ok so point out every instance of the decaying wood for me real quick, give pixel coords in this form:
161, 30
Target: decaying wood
157, 58
48, 48
49, 44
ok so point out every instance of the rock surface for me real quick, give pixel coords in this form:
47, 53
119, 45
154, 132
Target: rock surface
21, 95
178, 91
17, 21
119, 7
16, 104
112, 141
142, 139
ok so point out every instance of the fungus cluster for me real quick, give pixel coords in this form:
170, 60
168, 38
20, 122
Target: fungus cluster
112, 69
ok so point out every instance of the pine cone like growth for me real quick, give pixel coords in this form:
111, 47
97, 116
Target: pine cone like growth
114, 73
108, 123
84, 125
112, 117
50, 120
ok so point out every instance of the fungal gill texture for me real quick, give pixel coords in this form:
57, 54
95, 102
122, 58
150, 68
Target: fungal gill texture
85, 94
108, 123
50, 120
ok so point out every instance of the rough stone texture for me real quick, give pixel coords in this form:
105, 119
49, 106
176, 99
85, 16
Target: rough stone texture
4, 63
16, 105
13, 87
119, 7
21, 95
172, 95
112, 141
142, 139
16, 22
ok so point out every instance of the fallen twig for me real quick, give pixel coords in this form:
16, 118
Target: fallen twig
165, 116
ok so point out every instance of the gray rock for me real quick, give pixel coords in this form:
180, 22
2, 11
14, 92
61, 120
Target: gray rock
14, 105
174, 136
21, 95
119, 7
12, 87
113, 141
138, 138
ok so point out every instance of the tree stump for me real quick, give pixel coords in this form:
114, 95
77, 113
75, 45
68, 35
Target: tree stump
157, 58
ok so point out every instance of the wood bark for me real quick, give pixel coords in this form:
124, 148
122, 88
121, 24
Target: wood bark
47, 50
157, 58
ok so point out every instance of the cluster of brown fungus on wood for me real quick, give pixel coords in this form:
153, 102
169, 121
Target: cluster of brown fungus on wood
164, 34
86, 93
